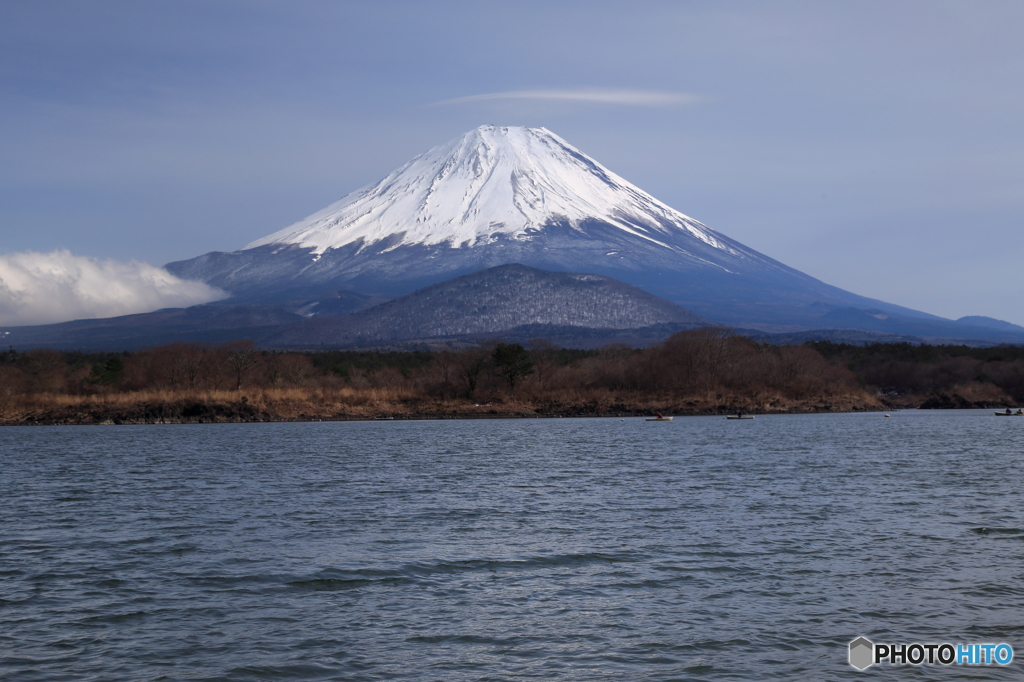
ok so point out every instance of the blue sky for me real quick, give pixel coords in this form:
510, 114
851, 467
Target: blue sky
877, 146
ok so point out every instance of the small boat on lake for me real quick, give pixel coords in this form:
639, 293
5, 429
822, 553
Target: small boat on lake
659, 417
1008, 413
741, 416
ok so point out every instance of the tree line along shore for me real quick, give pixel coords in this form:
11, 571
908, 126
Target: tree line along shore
705, 371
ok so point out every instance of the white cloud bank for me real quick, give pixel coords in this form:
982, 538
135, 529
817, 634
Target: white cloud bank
40, 288
646, 98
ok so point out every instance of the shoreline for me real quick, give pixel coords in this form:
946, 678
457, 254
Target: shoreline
411, 418
246, 415
307, 406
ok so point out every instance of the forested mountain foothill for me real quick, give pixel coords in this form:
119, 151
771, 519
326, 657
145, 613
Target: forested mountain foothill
704, 371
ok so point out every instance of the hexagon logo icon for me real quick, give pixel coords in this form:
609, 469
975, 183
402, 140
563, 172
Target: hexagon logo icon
861, 653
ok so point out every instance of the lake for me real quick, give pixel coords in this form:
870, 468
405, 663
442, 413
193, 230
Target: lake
549, 549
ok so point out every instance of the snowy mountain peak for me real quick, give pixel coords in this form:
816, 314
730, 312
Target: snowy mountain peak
493, 182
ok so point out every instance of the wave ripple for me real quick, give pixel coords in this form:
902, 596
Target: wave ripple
505, 550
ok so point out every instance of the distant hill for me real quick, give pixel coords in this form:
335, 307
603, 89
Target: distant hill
492, 301
934, 330
991, 323
198, 324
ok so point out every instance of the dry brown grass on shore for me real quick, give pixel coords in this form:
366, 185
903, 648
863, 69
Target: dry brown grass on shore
299, 404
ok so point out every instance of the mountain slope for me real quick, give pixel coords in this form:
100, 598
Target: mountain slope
489, 302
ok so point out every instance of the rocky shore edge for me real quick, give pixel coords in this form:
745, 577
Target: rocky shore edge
220, 412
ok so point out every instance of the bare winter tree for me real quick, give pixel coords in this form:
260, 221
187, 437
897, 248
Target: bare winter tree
543, 353
240, 357
188, 364
296, 369
472, 364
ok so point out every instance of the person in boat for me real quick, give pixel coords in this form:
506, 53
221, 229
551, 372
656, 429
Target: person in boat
1019, 411
1008, 411
659, 415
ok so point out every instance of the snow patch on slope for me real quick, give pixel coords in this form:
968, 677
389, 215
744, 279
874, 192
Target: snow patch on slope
494, 182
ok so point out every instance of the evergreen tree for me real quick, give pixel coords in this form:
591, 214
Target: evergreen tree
512, 362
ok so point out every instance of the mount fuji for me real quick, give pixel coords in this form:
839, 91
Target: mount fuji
501, 195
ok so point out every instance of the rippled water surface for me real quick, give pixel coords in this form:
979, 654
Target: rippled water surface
582, 549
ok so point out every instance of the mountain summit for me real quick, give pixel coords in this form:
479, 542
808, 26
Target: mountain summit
501, 195
493, 183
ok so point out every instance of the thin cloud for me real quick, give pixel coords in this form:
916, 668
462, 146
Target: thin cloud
41, 288
640, 98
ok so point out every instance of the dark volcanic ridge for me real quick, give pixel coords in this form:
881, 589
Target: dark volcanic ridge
492, 301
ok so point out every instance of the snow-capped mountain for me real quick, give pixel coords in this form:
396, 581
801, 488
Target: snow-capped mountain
501, 195
491, 183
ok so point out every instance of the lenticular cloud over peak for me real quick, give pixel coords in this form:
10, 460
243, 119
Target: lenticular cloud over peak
41, 288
